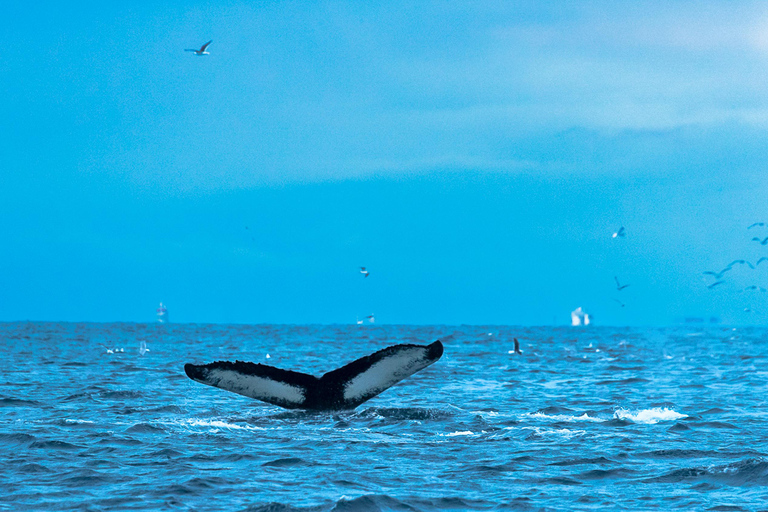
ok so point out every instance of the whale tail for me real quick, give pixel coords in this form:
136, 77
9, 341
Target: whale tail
343, 388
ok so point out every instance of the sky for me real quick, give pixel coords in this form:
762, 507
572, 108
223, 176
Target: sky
475, 156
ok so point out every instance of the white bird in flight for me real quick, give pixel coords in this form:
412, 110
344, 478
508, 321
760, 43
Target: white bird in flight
619, 234
201, 51
364, 272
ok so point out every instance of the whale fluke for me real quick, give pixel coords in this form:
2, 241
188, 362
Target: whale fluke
343, 388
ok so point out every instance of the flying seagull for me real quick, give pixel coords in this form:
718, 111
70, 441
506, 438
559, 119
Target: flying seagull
201, 51
619, 287
619, 302
718, 275
764, 241
761, 259
715, 284
619, 234
756, 224
364, 272
740, 262
755, 287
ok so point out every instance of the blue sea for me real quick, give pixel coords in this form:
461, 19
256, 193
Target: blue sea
593, 418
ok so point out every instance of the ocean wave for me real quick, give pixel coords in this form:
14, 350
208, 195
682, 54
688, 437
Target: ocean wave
74, 421
286, 462
566, 418
631, 380
648, 416
579, 462
209, 426
144, 428
539, 432
404, 413
742, 473
122, 395
370, 502
34, 468
714, 424
602, 474
459, 433
558, 480
7, 401
280, 507
54, 445
680, 453
18, 438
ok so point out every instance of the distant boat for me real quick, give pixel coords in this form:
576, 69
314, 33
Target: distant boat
579, 317
162, 314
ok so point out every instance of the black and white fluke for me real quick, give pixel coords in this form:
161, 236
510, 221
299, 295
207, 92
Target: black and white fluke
344, 388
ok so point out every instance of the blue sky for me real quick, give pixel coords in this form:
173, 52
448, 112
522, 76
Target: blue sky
476, 156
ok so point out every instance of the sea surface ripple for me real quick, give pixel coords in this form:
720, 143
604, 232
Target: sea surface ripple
585, 419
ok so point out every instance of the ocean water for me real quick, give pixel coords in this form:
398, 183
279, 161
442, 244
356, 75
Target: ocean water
585, 419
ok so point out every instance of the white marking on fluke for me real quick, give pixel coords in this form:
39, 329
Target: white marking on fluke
255, 387
343, 388
386, 373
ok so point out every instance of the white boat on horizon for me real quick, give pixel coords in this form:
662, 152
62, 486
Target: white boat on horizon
370, 319
162, 314
579, 317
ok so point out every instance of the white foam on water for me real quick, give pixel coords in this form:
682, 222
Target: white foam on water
77, 422
562, 432
213, 425
552, 384
485, 414
562, 417
648, 416
457, 433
